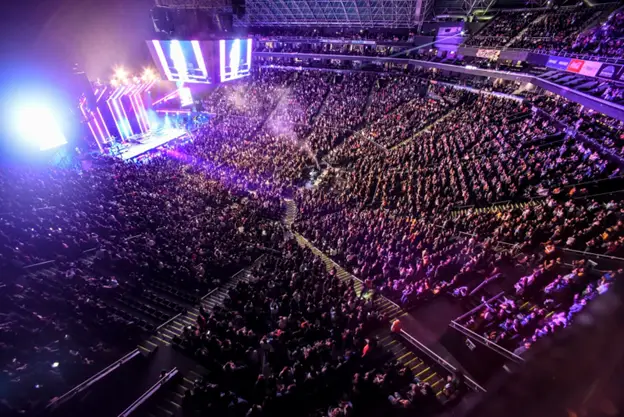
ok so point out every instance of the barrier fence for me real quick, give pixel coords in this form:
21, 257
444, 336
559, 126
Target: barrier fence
486, 342
58, 401
440, 361
148, 394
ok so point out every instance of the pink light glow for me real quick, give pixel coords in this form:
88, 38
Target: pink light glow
103, 123
139, 113
130, 94
174, 111
166, 98
147, 121
101, 134
142, 104
101, 94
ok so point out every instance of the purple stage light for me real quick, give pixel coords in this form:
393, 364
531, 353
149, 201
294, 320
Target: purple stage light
81, 105
166, 98
115, 110
174, 111
125, 115
108, 135
101, 94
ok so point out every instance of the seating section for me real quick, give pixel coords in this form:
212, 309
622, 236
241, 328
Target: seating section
554, 29
603, 39
502, 29
595, 31
547, 299
412, 182
105, 284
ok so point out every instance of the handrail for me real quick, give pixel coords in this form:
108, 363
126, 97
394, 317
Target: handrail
496, 297
51, 261
57, 401
168, 321
485, 342
40, 264
597, 255
211, 292
438, 359
147, 394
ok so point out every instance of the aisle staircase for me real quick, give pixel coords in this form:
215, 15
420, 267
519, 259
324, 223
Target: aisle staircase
399, 349
424, 129
169, 402
369, 100
291, 212
520, 34
401, 352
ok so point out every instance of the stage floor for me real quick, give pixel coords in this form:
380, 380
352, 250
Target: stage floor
150, 141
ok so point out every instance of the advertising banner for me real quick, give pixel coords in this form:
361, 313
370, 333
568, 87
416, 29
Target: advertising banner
488, 53
590, 68
609, 71
558, 63
575, 65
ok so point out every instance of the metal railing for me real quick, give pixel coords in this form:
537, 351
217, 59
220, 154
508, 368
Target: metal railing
146, 396
479, 307
486, 342
168, 321
56, 402
440, 361
40, 264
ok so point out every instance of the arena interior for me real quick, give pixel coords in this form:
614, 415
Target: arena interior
394, 207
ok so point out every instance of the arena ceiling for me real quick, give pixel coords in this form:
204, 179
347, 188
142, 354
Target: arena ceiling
342, 13
351, 13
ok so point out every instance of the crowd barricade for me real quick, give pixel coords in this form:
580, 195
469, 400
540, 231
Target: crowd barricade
480, 357
440, 361
58, 401
149, 393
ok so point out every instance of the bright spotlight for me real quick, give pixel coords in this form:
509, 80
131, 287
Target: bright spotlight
121, 73
148, 75
36, 125
55, 365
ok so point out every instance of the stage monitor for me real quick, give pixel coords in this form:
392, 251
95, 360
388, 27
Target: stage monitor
234, 59
183, 61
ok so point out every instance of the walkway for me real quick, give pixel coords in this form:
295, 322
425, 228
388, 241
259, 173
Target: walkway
496, 207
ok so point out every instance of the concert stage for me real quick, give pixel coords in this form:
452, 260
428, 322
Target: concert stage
139, 144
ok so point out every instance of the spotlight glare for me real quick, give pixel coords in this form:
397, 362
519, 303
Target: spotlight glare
148, 75
35, 124
121, 73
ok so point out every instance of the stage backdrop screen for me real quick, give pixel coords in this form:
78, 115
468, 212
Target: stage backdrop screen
183, 61
234, 59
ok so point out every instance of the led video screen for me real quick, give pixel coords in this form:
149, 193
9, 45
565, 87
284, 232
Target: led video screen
182, 61
234, 59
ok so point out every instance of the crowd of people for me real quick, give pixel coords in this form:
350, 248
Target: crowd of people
555, 29
605, 132
140, 224
402, 152
573, 29
604, 39
502, 29
546, 300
